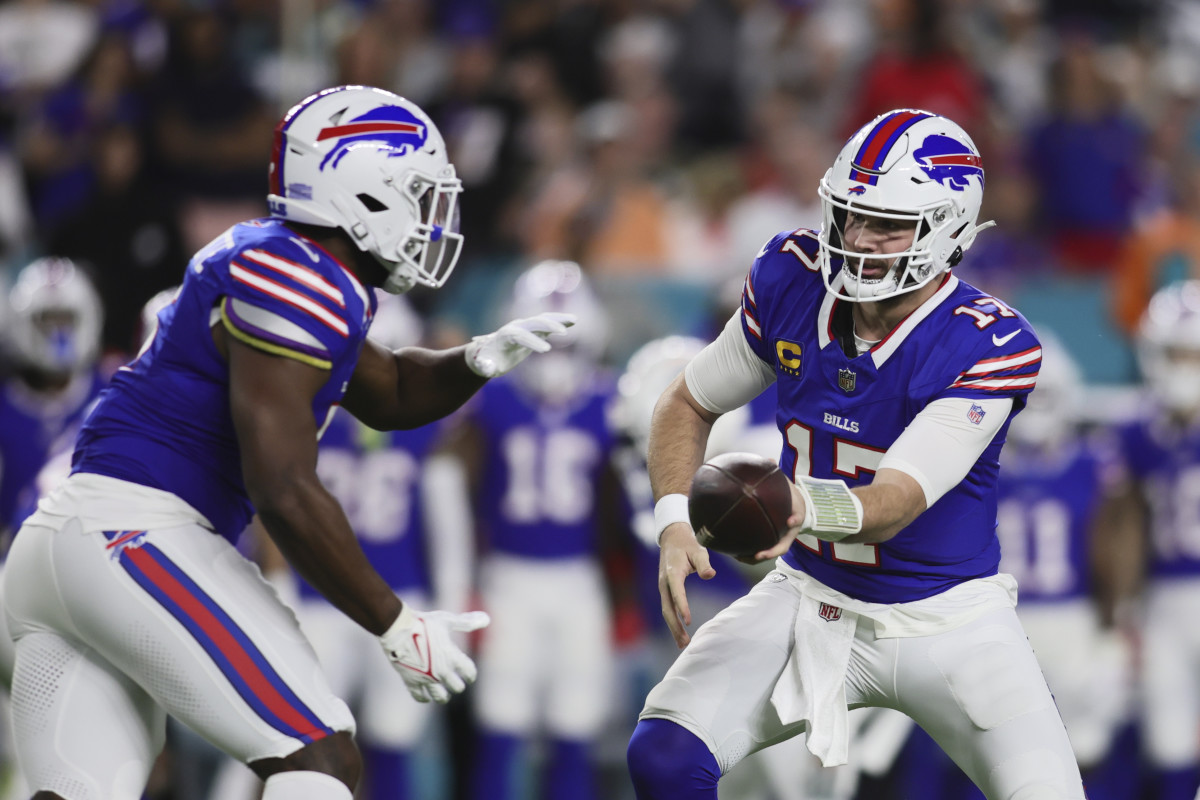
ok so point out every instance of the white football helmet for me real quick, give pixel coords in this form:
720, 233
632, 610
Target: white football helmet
1052, 410
373, 164
148, 320
912, 167
558, 375
1168, 346
396, 323
649, 371
56, 317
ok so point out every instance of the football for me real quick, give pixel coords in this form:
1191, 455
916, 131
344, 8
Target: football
740, 503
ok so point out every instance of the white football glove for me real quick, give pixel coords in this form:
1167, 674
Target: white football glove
496, 353
421, 649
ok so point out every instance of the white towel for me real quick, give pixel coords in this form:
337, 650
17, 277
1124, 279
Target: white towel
812, 687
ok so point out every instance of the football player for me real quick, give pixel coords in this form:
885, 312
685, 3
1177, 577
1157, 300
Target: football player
1161, 452
896, 383
537, 448
127, 598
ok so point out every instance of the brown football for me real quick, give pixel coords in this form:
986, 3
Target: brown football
739, 503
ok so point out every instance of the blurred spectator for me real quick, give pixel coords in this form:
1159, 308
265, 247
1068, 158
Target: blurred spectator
787, 165
128, 232
918, 65
1086, 158
212, 130
704, 73
42, 42
1163, 250
1013, 252
603, 211
1014, 47
57, 146
16, 218
478, 117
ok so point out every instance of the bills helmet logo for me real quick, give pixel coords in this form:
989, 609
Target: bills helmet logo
948, 161
857, 190
388, 128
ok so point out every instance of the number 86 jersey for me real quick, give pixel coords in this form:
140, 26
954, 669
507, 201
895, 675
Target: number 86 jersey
839, 411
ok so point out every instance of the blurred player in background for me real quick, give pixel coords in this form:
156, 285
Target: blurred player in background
1161, 451
537, 448
126, 596
896, 385
52, 340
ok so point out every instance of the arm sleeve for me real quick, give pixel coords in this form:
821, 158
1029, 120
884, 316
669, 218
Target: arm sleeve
727, 374
943, 442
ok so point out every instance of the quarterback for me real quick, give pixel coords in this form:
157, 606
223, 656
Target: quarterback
127, 598
886, 591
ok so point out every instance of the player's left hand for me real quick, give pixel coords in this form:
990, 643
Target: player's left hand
799, 509
421, 647
496, 353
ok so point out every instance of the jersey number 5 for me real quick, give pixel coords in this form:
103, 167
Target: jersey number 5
850, 459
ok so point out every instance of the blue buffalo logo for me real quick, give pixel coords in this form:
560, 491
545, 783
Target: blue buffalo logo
389, 128
857, 190
948, 161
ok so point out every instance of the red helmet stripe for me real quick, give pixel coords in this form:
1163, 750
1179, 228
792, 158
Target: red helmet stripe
360, 128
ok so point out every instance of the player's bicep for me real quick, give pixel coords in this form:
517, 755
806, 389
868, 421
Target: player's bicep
373, 385
270, 401
943, 442
727, 373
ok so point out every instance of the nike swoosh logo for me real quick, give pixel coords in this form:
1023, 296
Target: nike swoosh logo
1000, 341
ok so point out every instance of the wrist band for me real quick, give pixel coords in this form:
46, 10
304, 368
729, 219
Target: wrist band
669, 509
831, 511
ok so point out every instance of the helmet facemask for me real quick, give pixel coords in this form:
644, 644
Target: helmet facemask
427, 251
936, 246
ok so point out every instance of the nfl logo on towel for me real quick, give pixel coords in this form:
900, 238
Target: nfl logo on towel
830, 613
976, 413
846, 380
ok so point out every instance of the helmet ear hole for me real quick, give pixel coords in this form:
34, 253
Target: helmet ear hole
373, 204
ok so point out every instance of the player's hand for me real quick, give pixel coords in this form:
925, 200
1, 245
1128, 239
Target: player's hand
680, 556
495, 353
420, 646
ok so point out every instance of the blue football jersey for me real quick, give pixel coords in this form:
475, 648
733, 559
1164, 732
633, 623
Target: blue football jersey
165, 421
542, 469
839, 412
1165, 459
1048, 505
30, 426
375, 476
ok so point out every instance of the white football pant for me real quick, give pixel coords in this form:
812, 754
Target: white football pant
976, 689
546, 661
114, 630
1170, 676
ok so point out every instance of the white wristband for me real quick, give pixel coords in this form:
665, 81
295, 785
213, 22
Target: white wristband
831, 511
669, 509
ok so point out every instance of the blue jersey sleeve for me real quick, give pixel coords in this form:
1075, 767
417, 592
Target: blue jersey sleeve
773, 267
279, 304
997, 352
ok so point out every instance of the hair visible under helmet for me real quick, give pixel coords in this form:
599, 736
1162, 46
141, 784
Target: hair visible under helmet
1168, 346
911, 166
56, 317
373, 164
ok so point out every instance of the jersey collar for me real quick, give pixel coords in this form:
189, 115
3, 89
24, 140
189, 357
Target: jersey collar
890, 343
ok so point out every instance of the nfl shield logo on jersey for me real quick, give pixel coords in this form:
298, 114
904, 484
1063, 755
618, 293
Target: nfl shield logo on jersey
846, 378
830, 613
976, 413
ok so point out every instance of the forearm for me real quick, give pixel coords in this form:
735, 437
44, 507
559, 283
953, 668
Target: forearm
678, 436
410, 387
887, 508
309, 527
